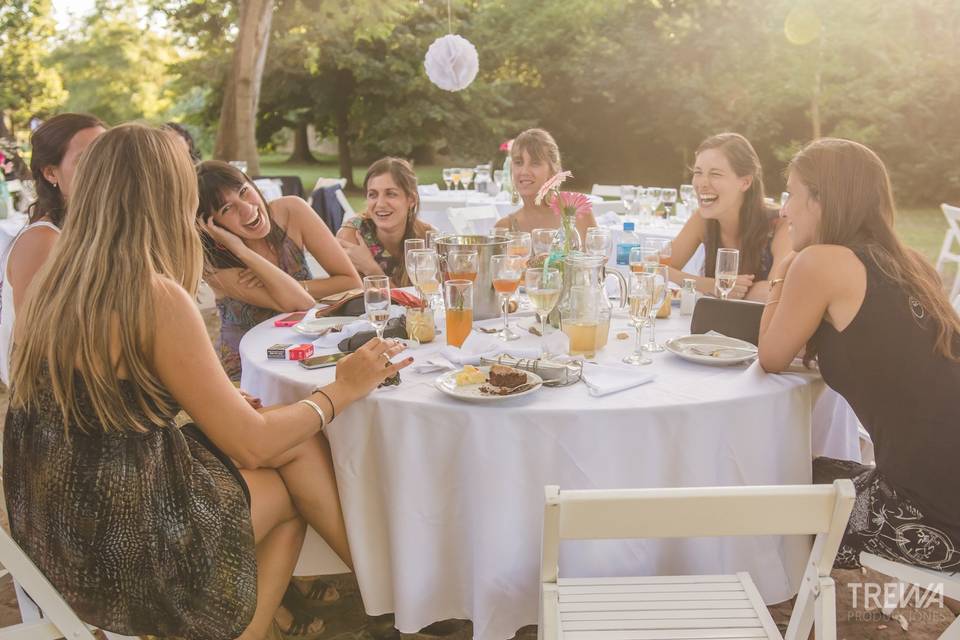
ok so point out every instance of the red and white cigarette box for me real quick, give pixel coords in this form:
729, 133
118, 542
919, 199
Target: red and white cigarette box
290, 351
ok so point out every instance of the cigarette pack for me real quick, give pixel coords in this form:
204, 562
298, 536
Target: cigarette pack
290, 351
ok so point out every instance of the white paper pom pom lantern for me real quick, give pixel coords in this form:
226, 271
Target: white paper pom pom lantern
451, 63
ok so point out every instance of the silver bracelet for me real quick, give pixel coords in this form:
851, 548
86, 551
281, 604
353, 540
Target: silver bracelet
323, 418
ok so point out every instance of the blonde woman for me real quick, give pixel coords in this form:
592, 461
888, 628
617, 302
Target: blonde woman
143, 527
534, 158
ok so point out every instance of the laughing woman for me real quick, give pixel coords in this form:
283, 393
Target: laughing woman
254, 254
729, 182
874, 315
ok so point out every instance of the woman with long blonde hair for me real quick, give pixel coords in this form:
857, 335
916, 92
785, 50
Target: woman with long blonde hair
146, 528
874, 315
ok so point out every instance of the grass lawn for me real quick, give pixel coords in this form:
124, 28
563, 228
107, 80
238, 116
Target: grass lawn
922, 228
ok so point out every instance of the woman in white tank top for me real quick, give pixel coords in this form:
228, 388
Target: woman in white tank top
57, 146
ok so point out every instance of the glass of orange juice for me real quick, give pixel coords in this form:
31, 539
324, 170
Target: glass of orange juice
506, 271
458, 299
521, 244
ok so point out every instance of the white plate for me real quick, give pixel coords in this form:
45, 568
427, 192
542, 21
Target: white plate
728, 350
447, 383
315, 326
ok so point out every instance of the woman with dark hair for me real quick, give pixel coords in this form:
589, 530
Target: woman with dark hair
874, 315
57, 146
185, 137
254, 255
732, 214
374, 239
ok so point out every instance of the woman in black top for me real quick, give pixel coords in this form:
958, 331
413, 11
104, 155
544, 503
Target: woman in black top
874, 315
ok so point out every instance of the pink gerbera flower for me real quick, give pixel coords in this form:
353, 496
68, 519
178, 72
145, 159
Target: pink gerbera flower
552, 184
569, 203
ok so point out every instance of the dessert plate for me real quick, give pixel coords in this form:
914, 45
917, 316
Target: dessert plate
713, 350
447, 383
321, 326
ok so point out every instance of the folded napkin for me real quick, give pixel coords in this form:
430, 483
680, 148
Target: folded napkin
332, 339
428, 189
603, 380
478, 345
432, 364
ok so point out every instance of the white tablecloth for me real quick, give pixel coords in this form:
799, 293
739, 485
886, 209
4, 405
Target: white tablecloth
443, 500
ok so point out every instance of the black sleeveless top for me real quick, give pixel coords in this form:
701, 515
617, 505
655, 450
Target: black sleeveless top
906, 394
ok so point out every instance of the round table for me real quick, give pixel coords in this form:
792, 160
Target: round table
443, 500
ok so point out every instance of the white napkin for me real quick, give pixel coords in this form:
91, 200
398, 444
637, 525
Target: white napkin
478, 345
332, 339
432, 364
609, 219
603, 380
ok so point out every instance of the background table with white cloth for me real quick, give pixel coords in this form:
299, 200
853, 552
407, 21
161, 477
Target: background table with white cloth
443, 500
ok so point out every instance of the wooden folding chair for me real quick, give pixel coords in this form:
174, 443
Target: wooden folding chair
718, 606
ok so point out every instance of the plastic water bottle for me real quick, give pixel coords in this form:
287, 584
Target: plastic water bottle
628, 240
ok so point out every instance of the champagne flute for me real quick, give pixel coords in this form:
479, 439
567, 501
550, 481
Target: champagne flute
728, 267
656, 197
462, 264
598, 242
507, 271
628, 193
542, 241
498, 179
376, 301
661, 283
640, 291
466, 176
543, 287
521, 244
411, 244
424, 271
455, 176
448, 177
669, 201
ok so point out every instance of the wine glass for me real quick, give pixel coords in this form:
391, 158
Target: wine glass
466, 176
543, 288
728, 267
661, 285
628, 193
598, 242
636, 259
689, 197
506, 271
640, 291
669, 201
462, 264
448, 177
521, 244
651, 250
455, 176
542, 241
376, 301
655, 195
411, 244
482, 179
498, 179
423, 267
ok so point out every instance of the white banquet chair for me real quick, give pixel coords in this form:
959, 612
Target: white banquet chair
606, 190
59, 620
952, 237
348, 210
471, 221
717, 606
947, 584
270, 188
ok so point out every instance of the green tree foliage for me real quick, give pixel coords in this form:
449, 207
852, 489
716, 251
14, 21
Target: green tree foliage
117, 67
28, 85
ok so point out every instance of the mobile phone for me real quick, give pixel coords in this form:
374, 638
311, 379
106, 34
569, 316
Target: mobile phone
290, 319
319, 362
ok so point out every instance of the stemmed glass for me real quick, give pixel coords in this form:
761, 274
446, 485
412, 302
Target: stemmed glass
507, 271
689, 196
728, 267
542, 241
455, 176
661, 284
637, 259
448, 177
424, 271
598, 242
498, 179
462, 264
640, 291
521, 244
655, 195
669, 200
411, 244
543, 287
376, 301
482, 177
628, 193
466, 175
431, 238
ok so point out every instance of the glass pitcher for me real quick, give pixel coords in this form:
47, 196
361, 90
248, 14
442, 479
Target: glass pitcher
584, 307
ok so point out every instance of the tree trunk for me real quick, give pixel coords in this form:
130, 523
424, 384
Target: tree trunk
237, 131
344, 99
301, 145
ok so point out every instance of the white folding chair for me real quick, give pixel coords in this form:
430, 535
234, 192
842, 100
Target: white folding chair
952, 237
600, 208
270, 188
718, 606
946, 584
470, 221
348, 210
606, 190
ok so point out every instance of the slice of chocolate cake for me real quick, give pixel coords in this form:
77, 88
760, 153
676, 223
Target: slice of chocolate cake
502, 376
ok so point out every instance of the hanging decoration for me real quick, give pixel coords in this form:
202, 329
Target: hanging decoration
451, 62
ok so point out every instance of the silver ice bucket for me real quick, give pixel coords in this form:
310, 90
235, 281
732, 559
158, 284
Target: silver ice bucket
484, 297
